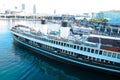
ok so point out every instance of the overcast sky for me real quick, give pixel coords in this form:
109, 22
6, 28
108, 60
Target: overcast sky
61, 6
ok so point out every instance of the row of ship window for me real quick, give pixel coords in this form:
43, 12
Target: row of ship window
80, 56
100, 52
86, 57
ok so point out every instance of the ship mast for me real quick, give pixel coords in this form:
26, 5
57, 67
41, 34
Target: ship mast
34, 13
99, 37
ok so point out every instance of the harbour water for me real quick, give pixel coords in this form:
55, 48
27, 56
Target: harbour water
19, 63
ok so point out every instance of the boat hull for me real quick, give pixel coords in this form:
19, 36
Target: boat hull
64, 59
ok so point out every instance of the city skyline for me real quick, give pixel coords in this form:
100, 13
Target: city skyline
60, 6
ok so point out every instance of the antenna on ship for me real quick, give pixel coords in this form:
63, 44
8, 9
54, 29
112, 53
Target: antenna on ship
99, 37
34, 13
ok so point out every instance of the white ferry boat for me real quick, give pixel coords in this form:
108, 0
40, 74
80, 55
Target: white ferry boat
93, 51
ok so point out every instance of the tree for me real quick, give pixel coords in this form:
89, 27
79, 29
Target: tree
99, 20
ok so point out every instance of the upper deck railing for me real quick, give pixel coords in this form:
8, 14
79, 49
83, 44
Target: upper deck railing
81, 42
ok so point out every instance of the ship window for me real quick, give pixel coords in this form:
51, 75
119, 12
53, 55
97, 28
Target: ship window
84, 48
44, 39
47, 40
64, 44
74, 46
96, 51
67, 45
114, 55
94, 59
81, 48
71, 53
75, 54
63, 51
118, 56
102, 60
100, 52
92, 50
71, 46
88, 50
104, 53
61, 43
78, 47
56, 42
40, 38
68, 52
109, 54
51, 41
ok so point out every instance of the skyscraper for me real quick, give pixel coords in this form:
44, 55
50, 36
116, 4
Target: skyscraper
16, 7
23, 7
34, 9
54, 11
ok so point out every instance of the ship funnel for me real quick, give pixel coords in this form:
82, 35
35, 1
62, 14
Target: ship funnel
64, 24
44, 27
64, 29
43, 21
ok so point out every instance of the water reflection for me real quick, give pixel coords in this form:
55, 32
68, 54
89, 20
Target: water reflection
3, 28
42, 64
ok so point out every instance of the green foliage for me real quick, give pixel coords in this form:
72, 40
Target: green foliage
99, 20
